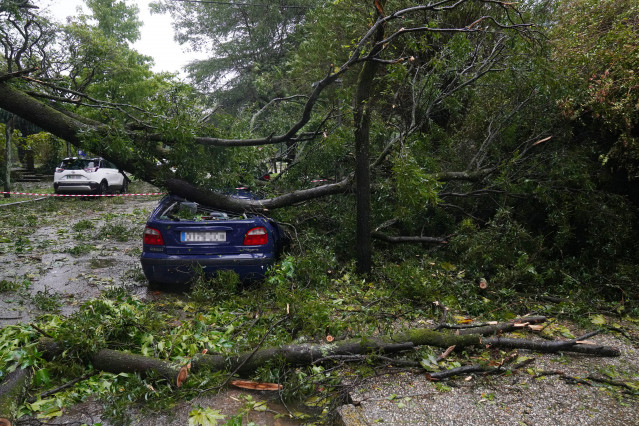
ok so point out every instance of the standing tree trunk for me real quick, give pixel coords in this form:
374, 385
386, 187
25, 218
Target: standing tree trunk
8, 135
362, 171
362, 119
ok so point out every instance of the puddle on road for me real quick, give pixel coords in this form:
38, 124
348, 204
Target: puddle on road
66, 265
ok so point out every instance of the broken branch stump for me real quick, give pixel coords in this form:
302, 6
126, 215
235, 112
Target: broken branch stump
113, 361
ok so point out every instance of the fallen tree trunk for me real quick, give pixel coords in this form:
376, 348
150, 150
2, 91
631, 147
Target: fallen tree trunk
293, 355
121, 362
116, 362
307, 354
13, 390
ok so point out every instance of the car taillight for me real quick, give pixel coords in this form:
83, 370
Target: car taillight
59, 170
153, 237
256, 237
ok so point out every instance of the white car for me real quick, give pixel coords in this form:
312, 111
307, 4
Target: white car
88, 175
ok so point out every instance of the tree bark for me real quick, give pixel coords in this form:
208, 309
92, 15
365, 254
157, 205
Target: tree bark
488, 329
49, 119
552, 347
408, 239
225, 202
8, 151
116, 362
13, 390
121, 362
362, 121
307, 354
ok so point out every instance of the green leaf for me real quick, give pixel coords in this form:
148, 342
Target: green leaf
633, 385
314, 401
260, 406
598, 319
38, 404
42, 377
205, 417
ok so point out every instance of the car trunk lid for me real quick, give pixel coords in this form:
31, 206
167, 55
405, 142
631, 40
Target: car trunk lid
209, 238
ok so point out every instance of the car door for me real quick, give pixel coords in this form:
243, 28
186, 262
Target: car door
111, 174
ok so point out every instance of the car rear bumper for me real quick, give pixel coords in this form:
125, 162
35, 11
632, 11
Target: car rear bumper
166, 269
75, 186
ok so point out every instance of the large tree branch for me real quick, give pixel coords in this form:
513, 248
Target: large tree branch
80, 95
307, 354
407, 239
69, 127
233, 204
291, 134
42, 115
9, 76
467, 175
355, 57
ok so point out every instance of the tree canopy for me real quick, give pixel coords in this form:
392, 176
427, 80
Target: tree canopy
460, 159
431, 115
597, 45
244, 42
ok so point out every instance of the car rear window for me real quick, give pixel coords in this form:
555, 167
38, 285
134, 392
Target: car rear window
190, 211
76, 164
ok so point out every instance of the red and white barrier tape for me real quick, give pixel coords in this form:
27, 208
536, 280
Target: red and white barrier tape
81, 195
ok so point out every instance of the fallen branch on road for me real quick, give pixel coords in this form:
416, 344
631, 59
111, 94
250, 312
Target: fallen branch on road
573, 345
13, 389
62, 387
477, 368
307, 354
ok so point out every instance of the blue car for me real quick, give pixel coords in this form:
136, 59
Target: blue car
182, 238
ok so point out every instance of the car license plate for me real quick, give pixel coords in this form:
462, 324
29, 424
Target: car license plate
73, 176
203, 237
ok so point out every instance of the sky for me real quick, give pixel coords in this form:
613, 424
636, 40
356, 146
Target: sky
157, 34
